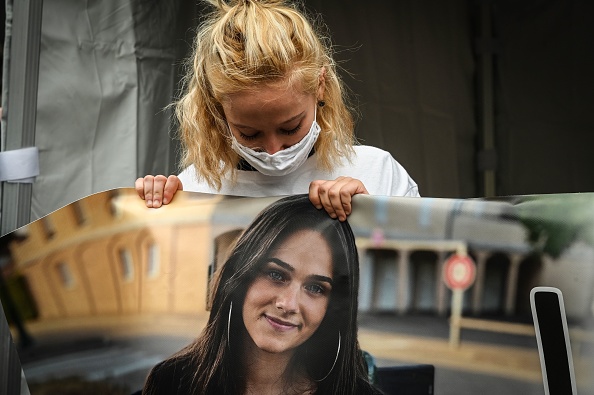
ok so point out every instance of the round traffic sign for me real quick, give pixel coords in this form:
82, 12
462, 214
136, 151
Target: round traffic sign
459, 272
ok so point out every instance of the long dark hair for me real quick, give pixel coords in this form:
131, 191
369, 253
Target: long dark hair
216, 364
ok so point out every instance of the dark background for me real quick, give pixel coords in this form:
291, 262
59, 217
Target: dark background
419, 77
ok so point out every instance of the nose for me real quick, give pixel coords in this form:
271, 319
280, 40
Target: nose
288, 300
273, 144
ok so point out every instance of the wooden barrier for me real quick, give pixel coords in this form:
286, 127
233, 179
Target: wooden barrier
497, 326
577, 336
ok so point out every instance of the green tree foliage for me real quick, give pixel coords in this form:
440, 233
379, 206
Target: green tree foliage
554, 222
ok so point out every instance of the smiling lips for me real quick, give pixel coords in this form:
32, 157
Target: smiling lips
279, 324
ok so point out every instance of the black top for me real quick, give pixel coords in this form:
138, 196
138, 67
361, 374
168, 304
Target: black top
170, 377
174, 376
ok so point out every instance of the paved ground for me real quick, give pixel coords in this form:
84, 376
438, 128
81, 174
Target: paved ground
125, 348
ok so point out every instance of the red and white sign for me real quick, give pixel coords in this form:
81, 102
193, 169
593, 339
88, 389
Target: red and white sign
459, 272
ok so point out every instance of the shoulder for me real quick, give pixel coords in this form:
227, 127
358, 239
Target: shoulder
172, 376
370, 151
366, 388
187, 177
368, 156
191, 182
381, 173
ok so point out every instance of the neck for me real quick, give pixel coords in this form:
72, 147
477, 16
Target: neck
266, 373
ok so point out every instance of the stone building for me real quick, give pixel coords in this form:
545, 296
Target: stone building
109, 254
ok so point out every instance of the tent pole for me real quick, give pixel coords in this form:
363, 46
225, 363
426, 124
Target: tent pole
24, 34
486, 47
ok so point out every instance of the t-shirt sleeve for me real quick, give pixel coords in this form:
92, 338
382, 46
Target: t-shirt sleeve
382, 174
402, 183
188, 178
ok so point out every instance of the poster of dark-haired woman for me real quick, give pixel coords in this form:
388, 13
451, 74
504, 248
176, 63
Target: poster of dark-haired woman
215, 294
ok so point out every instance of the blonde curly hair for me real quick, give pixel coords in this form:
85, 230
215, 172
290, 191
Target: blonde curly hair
243, 44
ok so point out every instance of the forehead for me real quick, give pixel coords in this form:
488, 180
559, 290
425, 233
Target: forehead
307, 251
274, 101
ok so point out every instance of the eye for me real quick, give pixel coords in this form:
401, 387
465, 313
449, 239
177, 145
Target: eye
291, 131
315, 288
275, 275
248, 137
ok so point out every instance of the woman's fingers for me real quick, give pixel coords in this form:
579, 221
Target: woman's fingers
153, 191
139, 186
172, 185
335, 195
157, 190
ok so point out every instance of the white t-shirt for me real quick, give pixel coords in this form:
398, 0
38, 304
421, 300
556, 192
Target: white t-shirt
375, 168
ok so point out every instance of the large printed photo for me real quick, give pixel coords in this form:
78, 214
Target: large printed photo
409, 296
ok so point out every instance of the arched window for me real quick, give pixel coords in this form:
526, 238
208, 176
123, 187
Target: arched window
153, 261
65, 275
127, 265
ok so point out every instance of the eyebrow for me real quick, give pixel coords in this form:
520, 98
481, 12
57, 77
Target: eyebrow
290, 268
237, 125
293, 118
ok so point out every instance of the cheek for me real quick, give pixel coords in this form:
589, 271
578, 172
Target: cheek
258, 294
317, 312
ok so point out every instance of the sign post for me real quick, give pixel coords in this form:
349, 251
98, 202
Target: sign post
459, 272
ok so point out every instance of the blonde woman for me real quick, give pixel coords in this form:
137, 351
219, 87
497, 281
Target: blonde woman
265, 114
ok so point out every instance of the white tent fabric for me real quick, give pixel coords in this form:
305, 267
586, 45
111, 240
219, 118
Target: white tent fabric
107, 72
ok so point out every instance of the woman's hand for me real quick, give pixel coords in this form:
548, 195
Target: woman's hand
335, 195
157, 190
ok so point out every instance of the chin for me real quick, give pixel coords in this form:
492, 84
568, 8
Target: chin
273, 347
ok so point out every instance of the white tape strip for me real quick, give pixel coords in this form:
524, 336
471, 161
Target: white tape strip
21, 165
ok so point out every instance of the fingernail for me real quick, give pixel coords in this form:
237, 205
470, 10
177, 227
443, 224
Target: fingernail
165, 201
319, 206
332, 215
149, 203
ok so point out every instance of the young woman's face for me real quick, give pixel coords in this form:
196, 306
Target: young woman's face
271, 118
288, 299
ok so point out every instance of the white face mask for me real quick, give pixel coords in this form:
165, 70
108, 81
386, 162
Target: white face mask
284, 161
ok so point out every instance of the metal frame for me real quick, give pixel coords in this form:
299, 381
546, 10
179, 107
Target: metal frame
21, 72
22, 69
